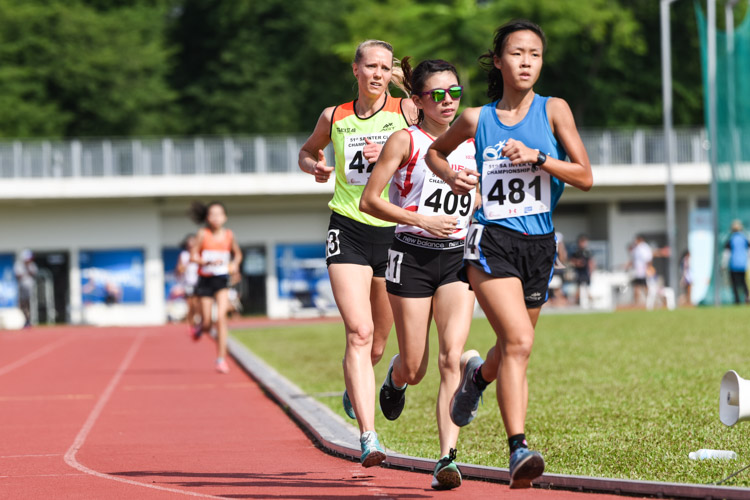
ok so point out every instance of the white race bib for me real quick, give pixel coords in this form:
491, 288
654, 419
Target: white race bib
219, 262
393, 269
513, 190
358, 169
438, 199
473, 237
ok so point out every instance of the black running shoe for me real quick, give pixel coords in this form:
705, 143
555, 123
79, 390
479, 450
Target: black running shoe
392, 400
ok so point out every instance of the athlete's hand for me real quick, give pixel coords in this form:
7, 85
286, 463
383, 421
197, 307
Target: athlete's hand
518, 153
371, 151
463, 181
321, 171
441, 226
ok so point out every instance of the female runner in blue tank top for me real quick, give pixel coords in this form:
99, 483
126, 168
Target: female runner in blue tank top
522, 140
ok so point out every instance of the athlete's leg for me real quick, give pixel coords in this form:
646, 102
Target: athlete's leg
222, 306
412, 317
453, 309
382, 318
207, 304
502, 301
351, 290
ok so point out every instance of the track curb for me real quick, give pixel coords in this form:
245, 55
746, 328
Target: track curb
337, 436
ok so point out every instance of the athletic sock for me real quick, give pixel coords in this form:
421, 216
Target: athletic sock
390, 382
479, 380
517, 441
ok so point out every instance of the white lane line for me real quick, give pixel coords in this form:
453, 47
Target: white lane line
33, 456
33, 355
70, 455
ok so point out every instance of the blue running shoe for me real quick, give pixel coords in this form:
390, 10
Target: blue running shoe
392, 399
465, 401
525, 466
348, 408
447, 474
372, 453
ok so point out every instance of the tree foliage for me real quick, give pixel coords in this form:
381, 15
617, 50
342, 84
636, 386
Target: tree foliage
153, 67
68, 69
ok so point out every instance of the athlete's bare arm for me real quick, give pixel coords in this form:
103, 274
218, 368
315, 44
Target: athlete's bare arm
464, 128
395, 153
576, 172
311, 157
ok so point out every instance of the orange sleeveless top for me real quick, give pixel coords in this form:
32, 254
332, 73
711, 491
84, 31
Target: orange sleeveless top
217, 252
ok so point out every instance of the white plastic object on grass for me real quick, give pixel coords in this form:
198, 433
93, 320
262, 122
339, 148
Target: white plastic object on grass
704, 454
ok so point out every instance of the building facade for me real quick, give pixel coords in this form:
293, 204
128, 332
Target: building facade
105, 218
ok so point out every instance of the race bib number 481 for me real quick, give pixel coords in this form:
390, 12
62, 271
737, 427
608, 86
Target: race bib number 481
513, 190
358, 169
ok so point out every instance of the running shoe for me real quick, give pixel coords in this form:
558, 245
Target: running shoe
525, 466
372, 453
392, 400
447, 474
222, 366
348, 408
197, 331
465, 401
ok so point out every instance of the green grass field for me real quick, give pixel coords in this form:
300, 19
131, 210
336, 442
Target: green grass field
620, 395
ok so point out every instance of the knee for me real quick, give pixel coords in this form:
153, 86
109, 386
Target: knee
360, 336
376, 354
518, 349
413, 374
449, 362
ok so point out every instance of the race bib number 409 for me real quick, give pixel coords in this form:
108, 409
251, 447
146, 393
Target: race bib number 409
438, 199
513, 190
358, 169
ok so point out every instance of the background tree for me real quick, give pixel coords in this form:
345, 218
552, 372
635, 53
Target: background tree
260, 66
69, 69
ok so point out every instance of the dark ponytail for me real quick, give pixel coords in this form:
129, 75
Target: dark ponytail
486, 60
198, 211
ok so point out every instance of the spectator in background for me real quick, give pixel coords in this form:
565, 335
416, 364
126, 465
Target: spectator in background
187, 271
25, 270
556, 293
641, 257
686, 279
737, 245
583, 263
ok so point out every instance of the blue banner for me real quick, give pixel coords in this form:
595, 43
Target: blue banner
112, 276
172, 286
302, 275
8, 284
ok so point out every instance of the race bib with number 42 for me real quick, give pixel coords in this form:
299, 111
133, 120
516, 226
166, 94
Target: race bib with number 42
358, 169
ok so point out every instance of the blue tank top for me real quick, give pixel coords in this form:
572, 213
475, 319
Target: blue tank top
517, 197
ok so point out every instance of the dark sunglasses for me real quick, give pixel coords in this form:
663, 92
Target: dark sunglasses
439, 94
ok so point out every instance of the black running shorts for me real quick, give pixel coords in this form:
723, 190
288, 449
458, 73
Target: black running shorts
418, 268
207, 286
503, 253
351, 242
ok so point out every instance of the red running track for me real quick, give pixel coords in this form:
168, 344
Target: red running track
141, 413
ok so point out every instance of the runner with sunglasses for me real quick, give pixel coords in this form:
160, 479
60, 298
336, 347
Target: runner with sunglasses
522, 140
426, 254
357, 243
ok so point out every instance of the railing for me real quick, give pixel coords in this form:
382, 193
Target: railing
273, 154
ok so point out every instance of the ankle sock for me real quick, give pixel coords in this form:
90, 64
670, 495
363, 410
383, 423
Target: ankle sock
390, 382
479, 380
517, 441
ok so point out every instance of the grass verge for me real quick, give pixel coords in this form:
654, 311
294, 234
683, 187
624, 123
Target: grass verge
622, 395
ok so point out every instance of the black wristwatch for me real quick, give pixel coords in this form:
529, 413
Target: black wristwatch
540, 159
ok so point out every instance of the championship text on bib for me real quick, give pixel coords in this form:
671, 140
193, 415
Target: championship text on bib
513, 190
358, 169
